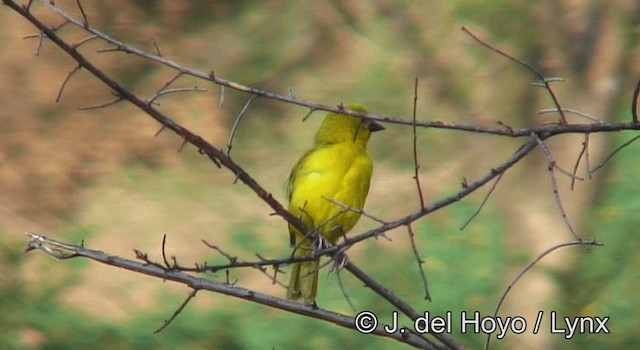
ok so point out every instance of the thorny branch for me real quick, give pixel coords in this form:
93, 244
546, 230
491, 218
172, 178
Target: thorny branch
535, 137
66, 251
546, 130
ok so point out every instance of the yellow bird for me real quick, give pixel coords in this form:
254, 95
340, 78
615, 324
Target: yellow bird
336, 170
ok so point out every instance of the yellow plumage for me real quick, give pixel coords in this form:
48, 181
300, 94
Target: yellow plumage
337, 168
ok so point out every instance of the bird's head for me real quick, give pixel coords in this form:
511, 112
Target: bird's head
337, 128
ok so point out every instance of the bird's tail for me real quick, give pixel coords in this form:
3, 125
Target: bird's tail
303, 283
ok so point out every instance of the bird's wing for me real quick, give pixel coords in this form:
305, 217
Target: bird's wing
339, 172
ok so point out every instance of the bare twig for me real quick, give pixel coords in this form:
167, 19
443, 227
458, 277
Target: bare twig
272, 278
41, 36
587, 158
102, 105
276, 271
166, 85
419, 262
64, 83
554, 185
221, 96
155, 45
618, 149
260, 264
85, 21
177, 312
528, 267
311, 110
232, 259
162, 128
183, 144
60, 251
355, 210
175, 90
634, 103
85, 40
572, 111
583, 151
416, 166
508, 127
544, 81
571, 175
237, 123
164, 255
484, 201
344, 291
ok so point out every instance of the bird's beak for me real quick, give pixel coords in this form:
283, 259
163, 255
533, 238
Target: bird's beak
373, 126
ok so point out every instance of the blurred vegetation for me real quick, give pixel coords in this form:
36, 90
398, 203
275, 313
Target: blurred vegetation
102, 177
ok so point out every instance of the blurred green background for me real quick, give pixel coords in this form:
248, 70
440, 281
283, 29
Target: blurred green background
101, 176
